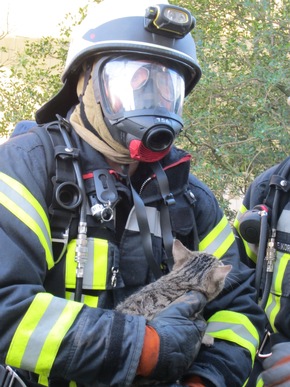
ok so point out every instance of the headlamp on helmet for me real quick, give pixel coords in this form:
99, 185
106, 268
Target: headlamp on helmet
160, 32
169, 20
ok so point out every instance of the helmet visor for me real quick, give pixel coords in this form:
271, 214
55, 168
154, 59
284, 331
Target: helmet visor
131, 85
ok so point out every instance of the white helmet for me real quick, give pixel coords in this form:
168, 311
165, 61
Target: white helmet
139, 27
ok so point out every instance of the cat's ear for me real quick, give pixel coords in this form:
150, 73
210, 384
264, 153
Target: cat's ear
221, 272
180, 253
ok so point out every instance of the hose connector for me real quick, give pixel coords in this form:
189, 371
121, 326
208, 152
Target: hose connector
81, 252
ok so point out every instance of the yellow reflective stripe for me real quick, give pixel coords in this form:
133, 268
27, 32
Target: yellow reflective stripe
16, 198
234, 327
219, 240
236, 224
273, 305
246, 382
70, 265
249, 247
241, 211
96, 267
260, 382
281, 263
91, 301
43, 380
272, 309
225, 246
99, 258
39, 335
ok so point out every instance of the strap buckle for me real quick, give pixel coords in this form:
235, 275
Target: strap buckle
61, 244
9, 378
169, 199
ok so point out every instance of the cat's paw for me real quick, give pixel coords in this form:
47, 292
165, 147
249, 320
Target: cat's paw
207, 340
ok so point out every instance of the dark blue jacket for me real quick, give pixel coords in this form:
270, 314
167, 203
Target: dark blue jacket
47, 333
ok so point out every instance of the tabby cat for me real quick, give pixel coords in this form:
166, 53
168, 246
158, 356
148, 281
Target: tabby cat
191, 271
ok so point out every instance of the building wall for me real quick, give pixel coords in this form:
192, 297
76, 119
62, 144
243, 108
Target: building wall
11, 46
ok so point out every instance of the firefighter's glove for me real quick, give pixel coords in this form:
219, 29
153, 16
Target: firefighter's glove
277, 366
180, 336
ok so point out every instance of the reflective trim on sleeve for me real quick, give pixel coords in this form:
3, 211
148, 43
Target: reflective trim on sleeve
272, 309
273, 305
96, 267
234, 327
219, 240
241, 211
39, 335
250, 248
16, 198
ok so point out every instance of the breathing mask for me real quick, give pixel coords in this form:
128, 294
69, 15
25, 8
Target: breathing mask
142, 103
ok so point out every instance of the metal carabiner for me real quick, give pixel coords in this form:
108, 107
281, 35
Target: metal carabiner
262, 346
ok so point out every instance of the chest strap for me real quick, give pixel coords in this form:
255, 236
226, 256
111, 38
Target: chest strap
165, 222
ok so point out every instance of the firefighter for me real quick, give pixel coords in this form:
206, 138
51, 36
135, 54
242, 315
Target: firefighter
263, 233
91, 200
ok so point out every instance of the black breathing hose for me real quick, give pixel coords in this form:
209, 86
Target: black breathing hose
81, 244
262, 250
271, 249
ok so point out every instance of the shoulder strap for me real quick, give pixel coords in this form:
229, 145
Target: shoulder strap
278, 184
66, 196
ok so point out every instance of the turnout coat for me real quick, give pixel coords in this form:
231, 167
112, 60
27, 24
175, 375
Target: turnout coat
277, 306
46, 333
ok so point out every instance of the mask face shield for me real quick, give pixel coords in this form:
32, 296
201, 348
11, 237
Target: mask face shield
131, 85
142, 102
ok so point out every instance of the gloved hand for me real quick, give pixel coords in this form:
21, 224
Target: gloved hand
180, 337
277, 366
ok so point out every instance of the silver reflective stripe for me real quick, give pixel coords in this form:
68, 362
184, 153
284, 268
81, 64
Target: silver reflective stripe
235, 327
153, 216
273, 305
40, 333
283, 222
21, 203
219, 239
89, 271
239, 329
96, 267
95, 275
37, 339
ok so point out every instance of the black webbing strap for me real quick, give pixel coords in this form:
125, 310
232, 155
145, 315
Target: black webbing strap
165, 221
59, 160
278, 184
144, 228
